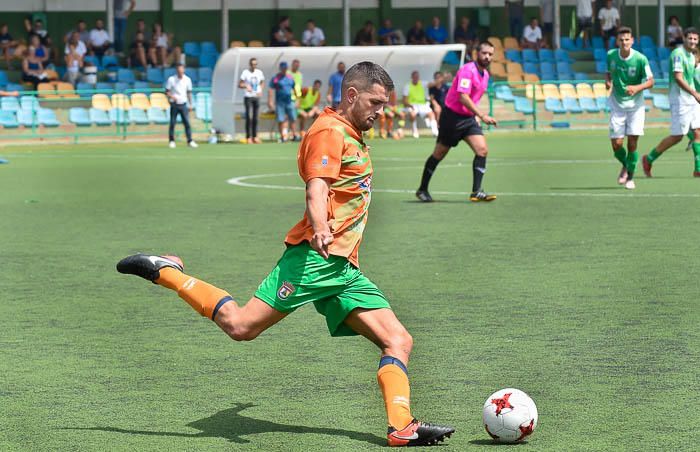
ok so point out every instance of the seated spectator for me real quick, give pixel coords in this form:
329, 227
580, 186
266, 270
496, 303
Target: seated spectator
609, 20
33, 68
99, 42
390, 36
79, 45
282, 35
416, 100
532, 36
160, 51
464, 34
138, 50
437, 89
436, 33
74, 62
8, 46
416, 35
313, 36
38, 50
38, 30
674, 32
89, 72
365, 37
141, 28
309, 105
84, 34
386, 119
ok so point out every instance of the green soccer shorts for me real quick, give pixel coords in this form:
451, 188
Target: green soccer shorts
333, 285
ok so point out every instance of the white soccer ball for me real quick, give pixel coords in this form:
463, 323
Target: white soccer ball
510, 415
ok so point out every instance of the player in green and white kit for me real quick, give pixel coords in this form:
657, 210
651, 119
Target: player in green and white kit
629, 75
684, 100
691, 134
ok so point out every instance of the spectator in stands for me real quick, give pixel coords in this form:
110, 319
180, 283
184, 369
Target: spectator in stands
313, 36
178, 88
609, 19
417, 102
437, 89
365, 36
281, 102
388, 35
37, 49
33, 68
547, 18
84, 34
514, 15
309, 105
80, 47
334, 86
281, 34
253, 81
416, 35
7, 45
584, 19
436, 33
674, 32
464, 34
532, 36
89, 72
99, 42
122, 11
160, 51
74, 62
141, 28
38, 30
138, 51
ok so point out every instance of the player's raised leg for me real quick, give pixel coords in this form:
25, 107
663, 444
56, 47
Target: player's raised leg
481, 150
385, 330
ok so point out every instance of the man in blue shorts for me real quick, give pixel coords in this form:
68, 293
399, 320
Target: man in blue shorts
282, 90
334, 86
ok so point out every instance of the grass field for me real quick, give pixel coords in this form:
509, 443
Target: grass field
568, 287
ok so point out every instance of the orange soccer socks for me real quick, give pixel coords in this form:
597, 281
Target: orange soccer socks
393, 380
203, 297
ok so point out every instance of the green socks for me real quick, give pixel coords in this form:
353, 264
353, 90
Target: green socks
691, 135
653, 155
621, 155
631, 163
696, 151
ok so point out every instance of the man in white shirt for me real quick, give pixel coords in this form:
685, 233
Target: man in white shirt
584, 18
532, 36
80, 47
253, 81
99, 42
609, 19
178, 88
313, 36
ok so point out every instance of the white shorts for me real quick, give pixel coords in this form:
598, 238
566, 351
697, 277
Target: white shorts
624, 123
421, 110
684, 118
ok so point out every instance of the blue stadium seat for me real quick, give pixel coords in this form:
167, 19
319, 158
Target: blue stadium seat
141, 85
568, 44
3, 79
9, 104
563, 66
554, 105
601, 67
95, 60
588, 105
562, 56
27, 118
205, 74
208, 47
126, 75
648, 94
14, 87
83, 86
99, 117
514, 55
122, 86
655, 69
661, 102
8, 119
451, 58
646, 41
598, 42
208, 60
203, 84
531, 68
664, 53
580, 76
157, 116
138, 116
571, 105
119, 116
167, 72
192, 74
602, 103
47, 117
565, 76
612, 42
154, 75
79, 116
579, 43
28, 103
529, 56
504, 93
191, 48
110, 61
104, 86
546, 55
600, 54
524, 105
650, 53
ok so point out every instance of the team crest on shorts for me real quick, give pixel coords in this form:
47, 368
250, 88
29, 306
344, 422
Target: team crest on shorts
285, 290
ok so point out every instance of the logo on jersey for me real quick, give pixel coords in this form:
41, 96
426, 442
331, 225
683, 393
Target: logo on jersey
465, 83
632, 71
324, 160
285, 290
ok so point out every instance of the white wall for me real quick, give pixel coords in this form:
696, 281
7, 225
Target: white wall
70, 5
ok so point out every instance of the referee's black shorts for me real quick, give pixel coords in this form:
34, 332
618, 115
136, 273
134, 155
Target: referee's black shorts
455, 127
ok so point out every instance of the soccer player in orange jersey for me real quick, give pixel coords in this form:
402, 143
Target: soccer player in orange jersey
320, 264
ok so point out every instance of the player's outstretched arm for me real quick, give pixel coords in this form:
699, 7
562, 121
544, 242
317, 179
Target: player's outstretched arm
317, 211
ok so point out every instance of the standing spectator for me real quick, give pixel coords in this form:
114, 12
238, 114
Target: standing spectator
388, 35
674, 32
298, 79
365, 36
436, 33
80, 47
417, 103
609, 19
280, 100
309, 105
437, 89
464, 34
514, 15
37, 49
532, 36
178, 88
160, 51
99, 42
7, 45
253, 80
584, 19
416, 35
122, 11
313, 36
82, 32
281, 34
33, 68
138, 51
74, 62
334, 86
547, 18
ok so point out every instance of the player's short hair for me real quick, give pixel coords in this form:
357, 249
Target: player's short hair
484, 44
624, 31
365, 74
437, 73
690, 31
318, 81
250, 61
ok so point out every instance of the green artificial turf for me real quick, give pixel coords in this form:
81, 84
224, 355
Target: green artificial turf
568, 287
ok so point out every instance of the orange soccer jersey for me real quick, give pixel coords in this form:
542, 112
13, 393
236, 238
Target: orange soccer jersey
333, 149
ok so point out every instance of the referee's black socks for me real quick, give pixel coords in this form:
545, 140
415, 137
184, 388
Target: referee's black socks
428, 171
478, 171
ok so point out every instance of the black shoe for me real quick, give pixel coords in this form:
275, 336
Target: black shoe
419, 434
481, 196
148, 266
424, 196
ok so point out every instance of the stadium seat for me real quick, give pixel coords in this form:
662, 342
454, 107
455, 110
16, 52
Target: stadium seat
235, 44
119, 116
65, 90
547, 71
3, 79
203, 84
104, 86
514, 55
192, 74
536, 89
204, 74
83, 86
650, 53
154, 75
126, 75
47, 91
567, 43
531, 78
530, 68
504, 93
663, 53
27, 118
47, 117
208, 60
655, 69
546, 55
565, 76
8, 119
550, 91
514, 68
100, 117
554, 105
494, 40
580, 76
567, 90
571, 105
529, 56
601, 67
584, 90
140, 101
599, 90
589, 105
120, 101
159, 100
578, 42
141, 85
95, 60
515, 79
496, 70
563, 66
101, 102
168, 72
600, 54
138, 116
9, 104
122, 86
661, 102
524, 105
191, 48
562, 56
208, 47
612, 42
602, 103
648, 94
157, 116
255, 43
646, 41
510, 42
14, 87
452, 58
110, 61
498, 56
79, 116
597, 42
28, 103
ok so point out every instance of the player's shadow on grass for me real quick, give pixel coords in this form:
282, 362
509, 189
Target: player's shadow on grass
490, 442
230, 424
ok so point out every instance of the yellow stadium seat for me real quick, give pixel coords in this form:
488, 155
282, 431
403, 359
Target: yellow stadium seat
67, 91
101, 102
255, 43
514, 68
499, 56
511, 43
584, 90
532, 78
550, 91
237, 44
47, 91
121, 101
567, 90
160, 101
599, 90
515, 79
529, 88
140, 100
496, 41
498, 70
